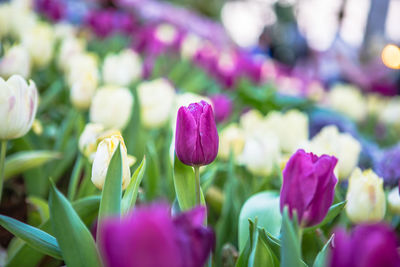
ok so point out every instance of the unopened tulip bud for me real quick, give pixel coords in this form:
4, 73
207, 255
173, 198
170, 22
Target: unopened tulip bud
365, 197
196, 141
102, 158
18, 104
111, 107
308, 186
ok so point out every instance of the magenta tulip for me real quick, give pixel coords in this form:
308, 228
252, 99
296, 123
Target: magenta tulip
308, 186
222, 107
196, 141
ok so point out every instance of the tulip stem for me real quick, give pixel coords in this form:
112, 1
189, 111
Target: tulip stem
197, 184
2, 164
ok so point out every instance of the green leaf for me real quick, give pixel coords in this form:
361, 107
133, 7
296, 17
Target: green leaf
33, 236
291, 247
23, 161
334, 211
110, 203
184, 185
41, 205
131, 192
272, 242
263, 255
320, 260
243, 260
75, 240
152, 181
264, 206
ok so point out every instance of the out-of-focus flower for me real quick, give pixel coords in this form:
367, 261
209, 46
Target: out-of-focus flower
54, 10
16, 61
394, 200
308, 186
79, 66
185, 99
196, 140
65, 30
341, 145
18, 104
284, 125
82, 91
166, 33
231, 139
391, 112
252, 122
111, 107
226, 69
348, 100
222, 107
190, 44
40, 43
375, 104
70, 46
365, 197
5, 19
387, 165
156, 100
22, 21
149, 236
37, 127
122, 68
105, 22
102, 158
369, 245
88, 140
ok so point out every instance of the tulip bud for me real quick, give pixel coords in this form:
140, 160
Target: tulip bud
156, 101
69, 47
369, 245
89, 139
196, 141
122, 69
308, 186
102, 158
111, 107
83, 90
18, 104
222, 107
365, 197
16, 61
394, 200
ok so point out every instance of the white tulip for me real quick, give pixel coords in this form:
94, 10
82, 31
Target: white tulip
16, 61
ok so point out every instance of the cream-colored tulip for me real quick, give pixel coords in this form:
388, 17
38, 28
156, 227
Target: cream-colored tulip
83, 90
376, 104
231, 139
112, 107
15, 61
394, 200
342, 145
190, 45
79, 65
365, 197
166, 33
102, 158
156, 102
252, 122
88, 141
68, 49
348, 100
18, 105
390, 114
122, 69
40, 43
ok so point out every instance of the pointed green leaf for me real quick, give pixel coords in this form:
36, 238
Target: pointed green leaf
243, 260
75, 240
130, 195
33, 236
334, 211
272, 242
290, 249
320, 260
41, 205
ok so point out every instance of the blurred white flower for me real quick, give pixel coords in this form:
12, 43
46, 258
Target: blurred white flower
69, 47
190, 45
232, 139
16, 61
83, 90
394, 200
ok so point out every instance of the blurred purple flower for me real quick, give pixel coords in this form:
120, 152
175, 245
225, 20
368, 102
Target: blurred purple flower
196, 141
105, 22
369, 245
308, 186
387, 163
222, 107
149, 236
54, 10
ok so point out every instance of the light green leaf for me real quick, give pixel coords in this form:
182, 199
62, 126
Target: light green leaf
290, 249
130, 195
33, 236
320, 260
23, 161
41, 206
75, 240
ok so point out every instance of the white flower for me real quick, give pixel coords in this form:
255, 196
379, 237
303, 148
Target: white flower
166, 33
394, 200
190, 45
112, 107
83, 90
16, 61
69, 47
231, 138
122, 69
18, 105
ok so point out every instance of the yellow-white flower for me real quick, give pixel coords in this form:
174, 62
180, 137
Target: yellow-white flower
348, 100
111, 107
40, 43
342, 145
83, 90
190, 45
231, 139
16, 61
122, 68
156, 101
391, 112
79, 65
69, 47
102, 158
166, 33
18, 104
365, 197
394, 200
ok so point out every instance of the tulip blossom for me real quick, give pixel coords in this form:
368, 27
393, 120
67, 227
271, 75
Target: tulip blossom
149, 236
369, 245
196, 141
222, 107
308, 186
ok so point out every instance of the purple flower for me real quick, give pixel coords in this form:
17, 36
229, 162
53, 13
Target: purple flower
101, 22
149, 236
308, 186
222, 107
369, 245
54, 10
387, 164
196, 141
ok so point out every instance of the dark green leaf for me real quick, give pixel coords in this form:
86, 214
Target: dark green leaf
130, 195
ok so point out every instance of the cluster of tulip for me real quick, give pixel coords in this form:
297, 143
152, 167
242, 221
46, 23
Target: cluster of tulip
171, 147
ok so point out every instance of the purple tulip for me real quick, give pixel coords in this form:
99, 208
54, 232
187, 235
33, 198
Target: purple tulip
196, 141
369, 245
222, 107
308, 186
53, 10
149, 236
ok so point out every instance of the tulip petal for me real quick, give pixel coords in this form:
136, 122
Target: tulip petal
208, 135
186, 135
